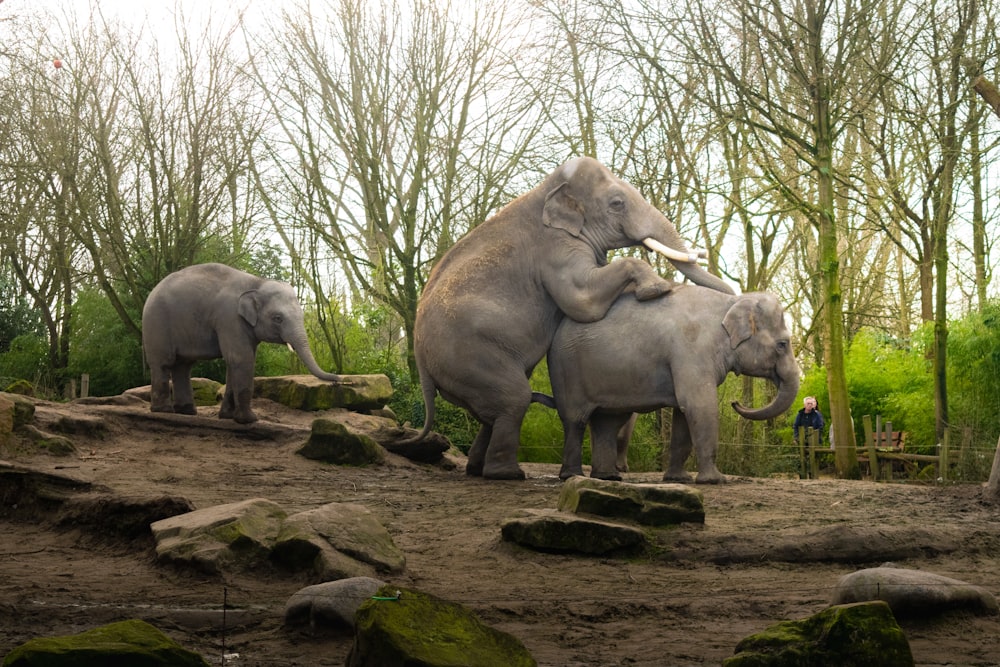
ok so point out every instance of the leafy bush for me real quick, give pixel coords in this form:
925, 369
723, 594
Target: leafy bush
102, 347
26, 359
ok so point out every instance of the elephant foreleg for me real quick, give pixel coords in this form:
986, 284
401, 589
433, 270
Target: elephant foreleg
159, 390
239, 392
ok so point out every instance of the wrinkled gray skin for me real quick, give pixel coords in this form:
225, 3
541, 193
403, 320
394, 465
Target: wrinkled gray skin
671, 352
493, 302
208, 311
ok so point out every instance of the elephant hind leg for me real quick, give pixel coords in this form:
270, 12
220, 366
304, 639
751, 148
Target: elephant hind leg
183, 393
477, 453
604, 428
505, 437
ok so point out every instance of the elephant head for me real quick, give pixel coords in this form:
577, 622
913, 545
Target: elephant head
585, 199
276, 317
761, 347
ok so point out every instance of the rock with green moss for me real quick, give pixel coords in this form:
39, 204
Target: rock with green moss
134, 643
647, 504
206, 392
21, 387
421, 630
853, 635
332, 442
337, 541
305, 392
23, 408
547, 530
234, 536
331, 542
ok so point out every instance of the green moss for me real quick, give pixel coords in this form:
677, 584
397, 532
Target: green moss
133, 643
852, 635
420, 629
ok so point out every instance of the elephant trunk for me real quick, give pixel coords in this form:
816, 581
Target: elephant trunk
299, 343
788, 388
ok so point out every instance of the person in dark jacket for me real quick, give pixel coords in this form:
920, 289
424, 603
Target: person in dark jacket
808, 417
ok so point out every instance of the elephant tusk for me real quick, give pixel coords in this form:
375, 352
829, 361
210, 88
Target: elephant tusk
291, 348
676, 255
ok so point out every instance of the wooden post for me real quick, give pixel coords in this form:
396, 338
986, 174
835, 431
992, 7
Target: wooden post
870, 445
945, 455
72, 389
886, 468
803, 470
813, 446
85, 385
992, 491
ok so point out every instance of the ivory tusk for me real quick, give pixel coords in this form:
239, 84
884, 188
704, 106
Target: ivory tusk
676, 255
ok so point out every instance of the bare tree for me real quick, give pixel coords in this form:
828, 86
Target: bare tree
401, 126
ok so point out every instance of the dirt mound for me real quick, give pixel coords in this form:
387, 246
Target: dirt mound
769, 550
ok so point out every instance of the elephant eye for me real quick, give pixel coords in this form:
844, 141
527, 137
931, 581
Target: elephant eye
277, 318
617, 205
782, 345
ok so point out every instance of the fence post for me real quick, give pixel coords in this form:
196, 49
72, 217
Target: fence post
85, 385
944, 455
870, 446
813, 446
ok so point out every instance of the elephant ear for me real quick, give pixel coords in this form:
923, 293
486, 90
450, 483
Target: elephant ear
562, 211
248, 307
740, 322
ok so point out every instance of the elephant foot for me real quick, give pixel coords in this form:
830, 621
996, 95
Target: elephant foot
654, 291
161, 408
609, 476
473, 470
567, 472
714, 477
682, 477
247, 417
504, 472
186, 409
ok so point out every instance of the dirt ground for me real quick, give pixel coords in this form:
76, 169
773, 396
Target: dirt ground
688, 604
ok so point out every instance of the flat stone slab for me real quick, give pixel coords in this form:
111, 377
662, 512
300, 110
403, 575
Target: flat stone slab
913, 592
306, 392
646, 504
548, 530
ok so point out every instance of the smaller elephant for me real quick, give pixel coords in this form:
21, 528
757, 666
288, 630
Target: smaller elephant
208, 311
670, 352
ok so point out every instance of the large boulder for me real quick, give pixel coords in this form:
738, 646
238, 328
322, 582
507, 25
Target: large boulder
234, 536
853, 635
306, 392
331, 605
332, 442
913, 592
134, 643
335, 541
647, 504
547, 530
404, 628
16, 411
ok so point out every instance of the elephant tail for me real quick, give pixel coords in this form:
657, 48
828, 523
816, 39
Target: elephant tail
429, 391
544, 399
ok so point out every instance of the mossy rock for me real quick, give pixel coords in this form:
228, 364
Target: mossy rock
647, 504
24, 408
22, 387
304, 392
331, 442
134, 643
850, 635
420, 629
206, 392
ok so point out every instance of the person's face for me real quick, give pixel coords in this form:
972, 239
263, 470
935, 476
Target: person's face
810, 406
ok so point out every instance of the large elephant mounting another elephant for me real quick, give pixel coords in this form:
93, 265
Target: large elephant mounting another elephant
679, 351
208, 311
493, 302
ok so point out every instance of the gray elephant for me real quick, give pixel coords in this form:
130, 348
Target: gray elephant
493, 302
672, 352
208, 311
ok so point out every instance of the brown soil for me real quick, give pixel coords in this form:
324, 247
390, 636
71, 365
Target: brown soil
688, 604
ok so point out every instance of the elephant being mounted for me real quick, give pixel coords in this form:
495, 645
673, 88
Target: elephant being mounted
493, 302
680, 350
